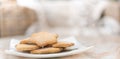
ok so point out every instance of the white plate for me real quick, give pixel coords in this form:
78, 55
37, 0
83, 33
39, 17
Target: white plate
76, 49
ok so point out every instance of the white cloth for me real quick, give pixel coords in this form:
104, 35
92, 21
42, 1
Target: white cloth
72, 17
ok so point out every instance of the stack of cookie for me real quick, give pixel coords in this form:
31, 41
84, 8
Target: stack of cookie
42, 43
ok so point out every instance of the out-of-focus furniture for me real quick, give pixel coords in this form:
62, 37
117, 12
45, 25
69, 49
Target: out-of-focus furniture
15, 19
113, 10
19, 26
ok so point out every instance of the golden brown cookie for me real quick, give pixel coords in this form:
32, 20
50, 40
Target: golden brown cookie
26, 41
44, 38
26, 47
46, 50
62, 44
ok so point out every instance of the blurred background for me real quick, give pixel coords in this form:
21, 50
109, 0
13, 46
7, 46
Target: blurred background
65, 17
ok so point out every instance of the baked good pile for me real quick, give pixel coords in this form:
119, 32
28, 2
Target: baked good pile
42, 43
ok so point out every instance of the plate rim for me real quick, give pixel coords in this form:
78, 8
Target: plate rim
72, 52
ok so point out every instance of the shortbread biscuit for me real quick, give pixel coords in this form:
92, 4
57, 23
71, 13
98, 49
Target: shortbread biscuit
46, 50
26, 41
44, 38
26, 47
62, 44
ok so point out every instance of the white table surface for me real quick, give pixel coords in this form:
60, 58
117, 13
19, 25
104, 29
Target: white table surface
107, 47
